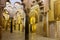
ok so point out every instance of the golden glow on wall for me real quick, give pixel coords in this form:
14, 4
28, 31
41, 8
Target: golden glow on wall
51, 11
57, 10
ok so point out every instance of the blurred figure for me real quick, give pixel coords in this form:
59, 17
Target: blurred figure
6, 19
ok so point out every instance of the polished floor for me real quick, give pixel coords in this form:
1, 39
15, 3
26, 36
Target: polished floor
6, 35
